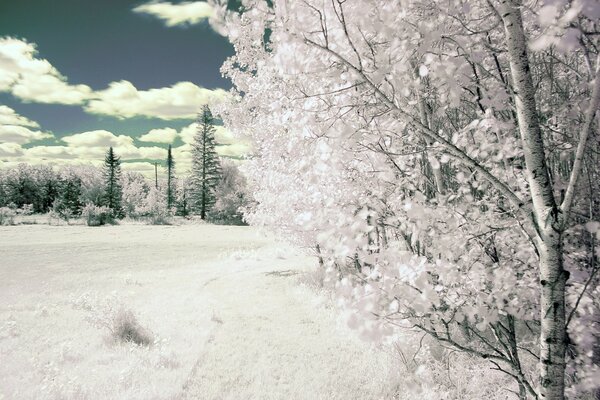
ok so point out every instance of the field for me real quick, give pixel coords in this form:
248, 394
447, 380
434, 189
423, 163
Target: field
224, 308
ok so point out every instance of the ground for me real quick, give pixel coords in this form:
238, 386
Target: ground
226, 310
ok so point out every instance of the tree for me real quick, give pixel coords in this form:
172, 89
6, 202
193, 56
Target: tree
68, 203
205, 165
135, 189
112, 183
182, 202
433, 161
171, 184
232, 195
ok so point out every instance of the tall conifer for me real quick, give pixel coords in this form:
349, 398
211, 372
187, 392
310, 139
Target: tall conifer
113, 192
171, 185
205, 165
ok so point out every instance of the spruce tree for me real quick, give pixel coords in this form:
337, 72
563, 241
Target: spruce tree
205, 165
112, 179
171, 185
68, 203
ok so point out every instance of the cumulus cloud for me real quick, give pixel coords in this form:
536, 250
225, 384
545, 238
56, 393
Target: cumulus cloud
17, 129
21, 134
8, 116
98, 138
164, 135
33, 79
180, 101
185, 13
10, 150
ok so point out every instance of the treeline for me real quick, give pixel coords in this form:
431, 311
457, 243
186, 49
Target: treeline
215, 189
73, 190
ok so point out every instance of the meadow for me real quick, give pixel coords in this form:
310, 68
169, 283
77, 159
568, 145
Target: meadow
220, 312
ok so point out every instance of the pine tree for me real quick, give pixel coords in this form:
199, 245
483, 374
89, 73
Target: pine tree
68, 203
205, 165
171, 185
112, 177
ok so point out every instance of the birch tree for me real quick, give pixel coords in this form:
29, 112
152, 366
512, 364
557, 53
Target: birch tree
432, 159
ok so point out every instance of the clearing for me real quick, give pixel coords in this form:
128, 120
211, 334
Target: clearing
227, 312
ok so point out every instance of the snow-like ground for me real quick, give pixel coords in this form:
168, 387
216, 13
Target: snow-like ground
224, 304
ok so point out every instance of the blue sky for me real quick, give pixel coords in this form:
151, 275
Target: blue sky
79, 75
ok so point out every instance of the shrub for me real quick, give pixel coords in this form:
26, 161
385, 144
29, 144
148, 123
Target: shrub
111, 314
125, 328
7, 216
155, 209
97, 216
26, 209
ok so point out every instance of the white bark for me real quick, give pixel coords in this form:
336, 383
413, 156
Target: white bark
546, 213
585, 133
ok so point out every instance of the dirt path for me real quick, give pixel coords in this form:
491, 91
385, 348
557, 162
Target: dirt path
274, 339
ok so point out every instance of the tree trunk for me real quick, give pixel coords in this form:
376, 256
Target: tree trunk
547, 218
553, 329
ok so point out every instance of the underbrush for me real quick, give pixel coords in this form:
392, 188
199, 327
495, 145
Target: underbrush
119, 321
423, 368
97, 216
7, 216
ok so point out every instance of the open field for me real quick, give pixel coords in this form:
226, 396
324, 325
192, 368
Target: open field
227, 317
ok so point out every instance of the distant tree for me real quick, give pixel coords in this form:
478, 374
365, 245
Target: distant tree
113, 192
171, 187
68, 203
182, 200
21, 187
232, 195
135, 189
205, 165
49, 186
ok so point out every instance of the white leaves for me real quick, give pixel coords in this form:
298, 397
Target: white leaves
547, 14
433, 161
592, 226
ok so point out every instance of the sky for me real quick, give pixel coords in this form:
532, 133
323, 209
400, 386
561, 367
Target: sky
77, 76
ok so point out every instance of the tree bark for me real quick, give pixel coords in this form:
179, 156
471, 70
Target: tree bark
547, 217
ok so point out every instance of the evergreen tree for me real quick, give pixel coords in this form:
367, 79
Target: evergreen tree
182, 203
113, 192
205, 166
68, 203
171, 186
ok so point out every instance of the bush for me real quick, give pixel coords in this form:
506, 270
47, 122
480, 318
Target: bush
154, 209
125, 328
111, 314
97, 216
7, 216
26, 209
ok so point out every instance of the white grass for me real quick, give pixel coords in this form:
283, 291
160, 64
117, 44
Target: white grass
228, 318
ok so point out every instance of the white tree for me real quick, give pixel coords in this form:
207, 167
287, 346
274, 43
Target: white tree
433, 161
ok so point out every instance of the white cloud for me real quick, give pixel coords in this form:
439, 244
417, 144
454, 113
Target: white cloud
99, 138
8, 116
35, 79
17, 129
21, 134
180, 101
10, 150
164, 135
93, 145
177, 14
50, 153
